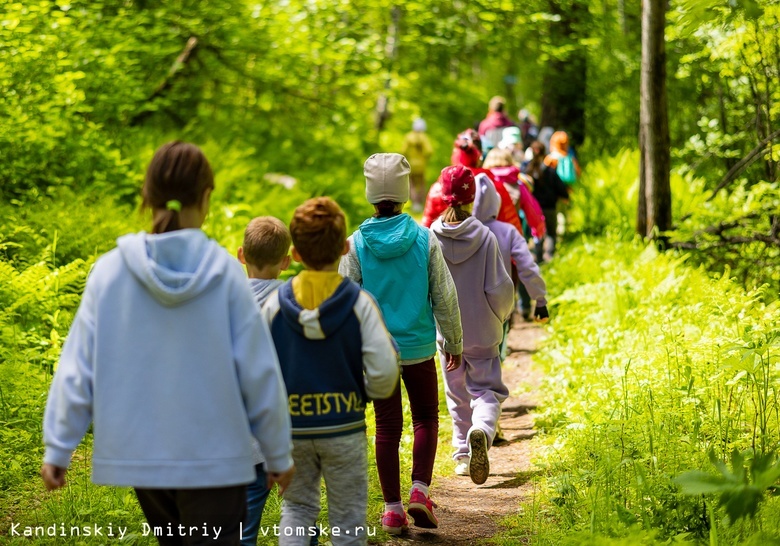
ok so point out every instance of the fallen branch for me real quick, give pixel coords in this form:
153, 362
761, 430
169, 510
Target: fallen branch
161, 89
743, 163
281, 89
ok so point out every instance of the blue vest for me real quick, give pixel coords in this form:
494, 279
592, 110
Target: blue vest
394, 255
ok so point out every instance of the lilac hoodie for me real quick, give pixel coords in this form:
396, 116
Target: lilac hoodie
485, 290
510, 243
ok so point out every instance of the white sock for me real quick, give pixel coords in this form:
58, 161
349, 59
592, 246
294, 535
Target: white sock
397, 507
420, 486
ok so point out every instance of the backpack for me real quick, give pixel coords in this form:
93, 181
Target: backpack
566, 170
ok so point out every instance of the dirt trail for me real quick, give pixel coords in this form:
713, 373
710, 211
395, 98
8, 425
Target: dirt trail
467, 512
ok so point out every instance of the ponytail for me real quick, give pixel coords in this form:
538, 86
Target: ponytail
178, 176
454, 215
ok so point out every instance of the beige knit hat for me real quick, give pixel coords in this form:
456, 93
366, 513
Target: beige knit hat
387, 178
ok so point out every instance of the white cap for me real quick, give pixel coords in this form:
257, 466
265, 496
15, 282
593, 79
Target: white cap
387, 178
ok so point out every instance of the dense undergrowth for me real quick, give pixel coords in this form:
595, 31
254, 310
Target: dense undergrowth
735, 232
654, 368
660, 420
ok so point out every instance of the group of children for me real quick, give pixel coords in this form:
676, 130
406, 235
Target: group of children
205, 389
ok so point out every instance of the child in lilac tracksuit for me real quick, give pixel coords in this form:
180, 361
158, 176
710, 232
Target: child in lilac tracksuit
512, 246
486, 299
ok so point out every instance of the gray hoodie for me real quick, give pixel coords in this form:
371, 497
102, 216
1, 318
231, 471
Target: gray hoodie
485, 290
511, 244
262, 288
171, 361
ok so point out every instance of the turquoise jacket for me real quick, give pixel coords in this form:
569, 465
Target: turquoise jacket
393, 254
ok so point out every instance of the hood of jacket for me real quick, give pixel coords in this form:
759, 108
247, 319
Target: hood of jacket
389, 237
262, 288
507, 174
486, 200
461, 241
174, 267
322, 321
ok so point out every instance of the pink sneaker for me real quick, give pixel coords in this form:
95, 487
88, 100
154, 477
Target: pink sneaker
421, 510
394, 523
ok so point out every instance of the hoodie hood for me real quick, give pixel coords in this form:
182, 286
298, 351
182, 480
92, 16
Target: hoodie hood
262, 288
389, 237
174, 267
486, 202
506, 175
322, 321
460, 242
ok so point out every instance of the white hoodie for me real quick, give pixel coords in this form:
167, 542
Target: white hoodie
170, 358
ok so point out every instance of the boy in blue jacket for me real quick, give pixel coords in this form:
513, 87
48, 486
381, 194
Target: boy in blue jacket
336, 354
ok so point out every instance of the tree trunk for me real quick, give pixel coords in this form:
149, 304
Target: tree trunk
391, 50
564, 80
654, 124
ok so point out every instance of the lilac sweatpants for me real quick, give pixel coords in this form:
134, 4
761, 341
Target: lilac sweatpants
474, 395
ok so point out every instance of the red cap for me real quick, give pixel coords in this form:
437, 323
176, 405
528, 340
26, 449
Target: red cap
457, 185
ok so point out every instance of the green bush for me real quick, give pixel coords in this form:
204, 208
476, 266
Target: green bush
651, 364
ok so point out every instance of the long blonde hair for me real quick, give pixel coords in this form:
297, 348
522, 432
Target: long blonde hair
499, 157
454, 215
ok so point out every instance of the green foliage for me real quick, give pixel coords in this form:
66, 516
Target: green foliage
605, 198
737, 232
741, 488
651, 365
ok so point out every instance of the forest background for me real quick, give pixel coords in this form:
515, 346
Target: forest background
289, 98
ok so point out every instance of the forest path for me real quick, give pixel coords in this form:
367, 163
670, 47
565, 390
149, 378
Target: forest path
469, 513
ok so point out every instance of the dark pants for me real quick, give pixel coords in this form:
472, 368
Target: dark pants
547, 247
423, 391
194, 516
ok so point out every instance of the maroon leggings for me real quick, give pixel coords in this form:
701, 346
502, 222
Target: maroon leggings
423, 391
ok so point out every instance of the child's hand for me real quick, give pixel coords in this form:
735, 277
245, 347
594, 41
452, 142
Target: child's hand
453, 361
281, 478
541, 314
53, 476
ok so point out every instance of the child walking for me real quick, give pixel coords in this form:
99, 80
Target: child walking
467, 151
486, 298
265, 253
512, 247
417, 148
171, 361
548, 190
336, 354
401, 264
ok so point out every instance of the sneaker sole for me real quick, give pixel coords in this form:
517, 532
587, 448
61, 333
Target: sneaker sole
479, 469
394, 530
422, 517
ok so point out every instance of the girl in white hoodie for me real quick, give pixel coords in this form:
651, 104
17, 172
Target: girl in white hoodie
169, 359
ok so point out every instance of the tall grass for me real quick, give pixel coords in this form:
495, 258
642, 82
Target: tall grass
652, 368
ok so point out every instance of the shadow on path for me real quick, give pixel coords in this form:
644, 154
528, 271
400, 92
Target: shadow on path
469, 513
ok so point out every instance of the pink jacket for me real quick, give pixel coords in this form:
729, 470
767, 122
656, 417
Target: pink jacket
522, 198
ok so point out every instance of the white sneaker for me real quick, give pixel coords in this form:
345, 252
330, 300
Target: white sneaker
462, 468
